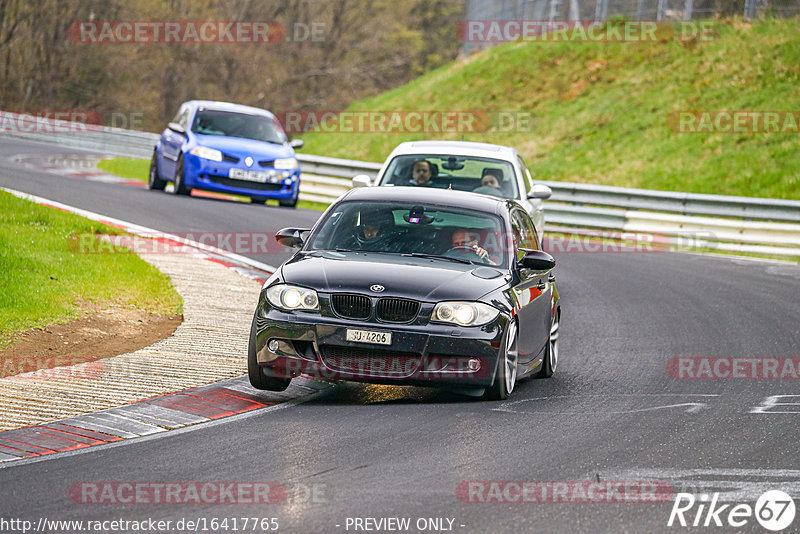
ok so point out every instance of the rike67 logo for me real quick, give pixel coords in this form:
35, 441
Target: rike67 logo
774, 510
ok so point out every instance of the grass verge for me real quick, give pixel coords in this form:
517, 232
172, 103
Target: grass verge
45, 282
132, 168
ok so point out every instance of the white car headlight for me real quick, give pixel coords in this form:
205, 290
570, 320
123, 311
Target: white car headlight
285, 163
289, 297
464, 313
206, 153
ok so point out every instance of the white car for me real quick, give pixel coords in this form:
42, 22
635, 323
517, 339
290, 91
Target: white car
463, 165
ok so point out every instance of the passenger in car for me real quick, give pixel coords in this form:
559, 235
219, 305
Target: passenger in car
490, 183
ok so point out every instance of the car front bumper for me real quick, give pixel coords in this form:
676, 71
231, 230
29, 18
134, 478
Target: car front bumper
215, 176
429, 354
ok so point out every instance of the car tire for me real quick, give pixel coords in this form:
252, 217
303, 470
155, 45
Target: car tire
179, 182
506, 376
255, 200
288, 203
256, 373
550, 360
154, 181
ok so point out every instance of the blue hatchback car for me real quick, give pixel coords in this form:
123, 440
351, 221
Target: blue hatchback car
227, 148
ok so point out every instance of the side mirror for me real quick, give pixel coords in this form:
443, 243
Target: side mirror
296, 143
175, 127
362, 180
540, 191
538, 262
290, 237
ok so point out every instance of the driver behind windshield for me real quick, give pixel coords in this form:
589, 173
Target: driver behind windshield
373, 232
421, 173
464, 246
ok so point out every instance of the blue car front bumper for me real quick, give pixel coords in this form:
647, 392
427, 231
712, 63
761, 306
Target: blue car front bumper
278, 184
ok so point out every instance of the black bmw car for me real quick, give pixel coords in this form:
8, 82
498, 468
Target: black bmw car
413, 287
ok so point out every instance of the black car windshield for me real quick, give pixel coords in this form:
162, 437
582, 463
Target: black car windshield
486, 176
230, 124
429, 231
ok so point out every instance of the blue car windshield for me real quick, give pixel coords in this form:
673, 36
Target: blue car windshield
405, 228
230, 124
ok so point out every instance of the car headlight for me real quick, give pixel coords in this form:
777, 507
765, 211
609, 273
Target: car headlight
464, 313
285, 163
206, 153
289, 297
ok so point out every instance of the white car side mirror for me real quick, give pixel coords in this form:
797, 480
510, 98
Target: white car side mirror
540, 191
362, 180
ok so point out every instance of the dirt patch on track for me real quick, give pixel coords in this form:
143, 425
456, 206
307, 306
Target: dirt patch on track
100, 333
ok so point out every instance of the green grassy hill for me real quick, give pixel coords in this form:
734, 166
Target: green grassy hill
48, 277
600, 110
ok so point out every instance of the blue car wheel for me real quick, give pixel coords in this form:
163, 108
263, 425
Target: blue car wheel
154, 181
180, 178
290, 203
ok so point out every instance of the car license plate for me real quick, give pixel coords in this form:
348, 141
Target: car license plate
250, 176
368, 336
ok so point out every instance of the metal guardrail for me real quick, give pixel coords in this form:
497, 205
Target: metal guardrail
682, 203
725, 222
737, 224
106, 140
600, 195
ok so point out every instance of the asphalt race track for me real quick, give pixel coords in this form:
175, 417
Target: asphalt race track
612, 412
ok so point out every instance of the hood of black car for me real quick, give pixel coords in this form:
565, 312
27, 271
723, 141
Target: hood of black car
417, 278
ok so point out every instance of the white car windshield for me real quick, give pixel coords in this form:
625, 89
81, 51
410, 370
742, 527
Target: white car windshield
486, 176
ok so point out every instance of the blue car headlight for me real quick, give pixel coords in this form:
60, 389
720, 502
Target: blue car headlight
287, 297
285, 163
464, 313
206, 153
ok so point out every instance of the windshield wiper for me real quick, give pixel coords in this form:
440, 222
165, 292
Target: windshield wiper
354, 251
438, 257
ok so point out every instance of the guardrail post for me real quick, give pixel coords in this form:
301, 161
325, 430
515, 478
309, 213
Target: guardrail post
750, 9
661, 9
